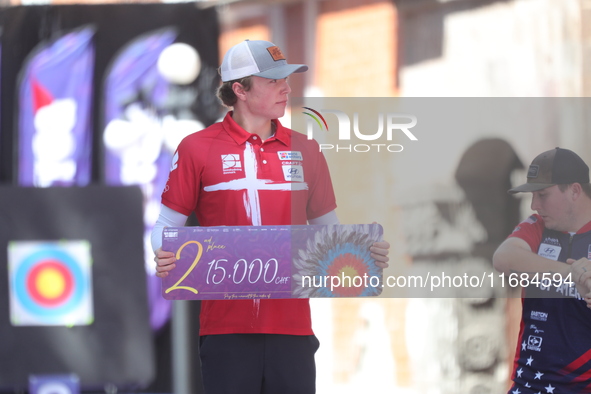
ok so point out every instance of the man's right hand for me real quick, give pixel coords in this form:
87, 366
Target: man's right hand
165, 261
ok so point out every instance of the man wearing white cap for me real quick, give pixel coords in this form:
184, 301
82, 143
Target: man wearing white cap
250, 170
554, 347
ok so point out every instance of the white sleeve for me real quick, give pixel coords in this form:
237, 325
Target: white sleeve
168, 218
329, 218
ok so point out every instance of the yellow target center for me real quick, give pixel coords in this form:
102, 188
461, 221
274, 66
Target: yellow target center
348, 272
50, 283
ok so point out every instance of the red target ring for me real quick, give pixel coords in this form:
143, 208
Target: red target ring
50, 283
353, 267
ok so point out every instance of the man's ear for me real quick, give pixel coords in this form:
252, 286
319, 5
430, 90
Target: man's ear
576, 190
239, 90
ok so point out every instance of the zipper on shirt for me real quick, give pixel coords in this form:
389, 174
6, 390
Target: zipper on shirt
570, 244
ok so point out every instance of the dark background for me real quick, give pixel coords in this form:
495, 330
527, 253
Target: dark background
97, 212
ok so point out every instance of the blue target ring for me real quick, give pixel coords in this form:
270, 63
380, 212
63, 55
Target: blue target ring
46, 253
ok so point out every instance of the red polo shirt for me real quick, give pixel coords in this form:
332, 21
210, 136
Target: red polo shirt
229, 177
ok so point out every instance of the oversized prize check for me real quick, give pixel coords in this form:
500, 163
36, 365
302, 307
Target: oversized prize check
248, 262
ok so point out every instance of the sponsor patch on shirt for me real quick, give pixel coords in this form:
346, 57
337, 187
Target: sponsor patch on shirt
551, 241
534, 342
549, 251
535, 328
532, 219
290, 155
293, 173
539, 316
231, 163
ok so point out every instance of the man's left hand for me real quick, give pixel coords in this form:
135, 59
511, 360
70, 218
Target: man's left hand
581, 275
379, 252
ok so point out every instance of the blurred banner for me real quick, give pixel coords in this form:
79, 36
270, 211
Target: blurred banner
32, 35
136, 115
134, 89
55, 95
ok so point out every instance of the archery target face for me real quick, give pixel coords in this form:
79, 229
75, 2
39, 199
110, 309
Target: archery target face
50, 283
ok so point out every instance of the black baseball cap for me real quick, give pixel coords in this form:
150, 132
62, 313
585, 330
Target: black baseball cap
554, 167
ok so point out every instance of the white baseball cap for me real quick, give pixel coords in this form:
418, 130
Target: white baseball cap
259, 58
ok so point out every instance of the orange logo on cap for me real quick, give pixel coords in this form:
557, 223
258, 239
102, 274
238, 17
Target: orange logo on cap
276, 53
